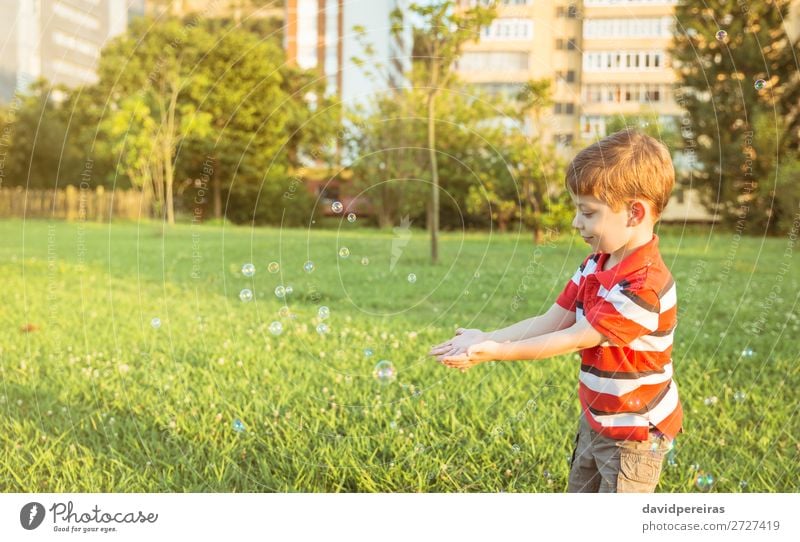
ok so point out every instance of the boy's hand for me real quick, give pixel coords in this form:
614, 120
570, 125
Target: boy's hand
475, 354
457, 345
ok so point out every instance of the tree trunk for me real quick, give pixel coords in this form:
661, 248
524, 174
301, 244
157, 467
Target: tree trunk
216, 191
169, 145
434, 214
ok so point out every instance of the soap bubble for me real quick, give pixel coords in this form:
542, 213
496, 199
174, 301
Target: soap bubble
747, 352
704, 481
337, 207
284, 312
721, 35
308, 266
280, 292
246, 295
322, 329
364, 261
743, 484
155, 322
238, 426
368, 352
344, 252
710, 401
351, 217
276, 328
412, 278
248, 270
739, 396
273, 267
760, 84
289, 289
323, 312
384, 372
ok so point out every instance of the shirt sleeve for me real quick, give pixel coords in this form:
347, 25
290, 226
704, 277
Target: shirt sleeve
624, 315
569, 295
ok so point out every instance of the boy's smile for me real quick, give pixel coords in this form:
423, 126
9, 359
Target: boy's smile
614, 232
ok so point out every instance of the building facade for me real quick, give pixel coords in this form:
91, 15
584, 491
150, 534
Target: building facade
59, 40
326, 35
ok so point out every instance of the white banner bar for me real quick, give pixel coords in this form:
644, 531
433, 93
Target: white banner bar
399, 517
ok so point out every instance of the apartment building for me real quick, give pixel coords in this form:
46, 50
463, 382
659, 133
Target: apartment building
531, 39
56, 39
626, 70
327, 34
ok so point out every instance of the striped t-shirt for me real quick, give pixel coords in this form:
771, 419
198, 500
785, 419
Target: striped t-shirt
626, 383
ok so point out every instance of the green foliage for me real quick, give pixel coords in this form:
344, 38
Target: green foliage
717, 79
95, 399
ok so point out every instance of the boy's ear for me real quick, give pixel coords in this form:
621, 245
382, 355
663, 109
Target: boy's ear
636, 213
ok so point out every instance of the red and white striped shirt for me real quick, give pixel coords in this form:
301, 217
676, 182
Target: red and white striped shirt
626, 383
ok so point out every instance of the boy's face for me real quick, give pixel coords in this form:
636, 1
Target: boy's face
601, 227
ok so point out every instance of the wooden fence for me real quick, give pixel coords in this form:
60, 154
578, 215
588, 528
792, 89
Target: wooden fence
74, 203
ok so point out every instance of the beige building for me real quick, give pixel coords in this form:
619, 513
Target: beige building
605, 58
529, 40
626, 70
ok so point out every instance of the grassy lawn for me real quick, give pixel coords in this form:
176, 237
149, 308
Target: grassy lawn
96, 399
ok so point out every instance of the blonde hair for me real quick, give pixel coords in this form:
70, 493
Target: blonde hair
625, 165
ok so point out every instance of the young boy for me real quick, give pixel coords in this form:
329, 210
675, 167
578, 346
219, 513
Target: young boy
619, 310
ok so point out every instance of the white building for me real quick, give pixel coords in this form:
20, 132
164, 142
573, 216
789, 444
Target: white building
56, 39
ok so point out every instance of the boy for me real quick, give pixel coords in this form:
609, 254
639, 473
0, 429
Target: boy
619, 310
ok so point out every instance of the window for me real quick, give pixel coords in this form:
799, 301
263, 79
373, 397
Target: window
496, 61
571, 45
569, 109
509, 29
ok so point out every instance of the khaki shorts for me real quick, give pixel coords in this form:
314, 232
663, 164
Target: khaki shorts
604, 465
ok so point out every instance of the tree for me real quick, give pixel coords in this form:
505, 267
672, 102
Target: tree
148, 72
720, 87
446, 30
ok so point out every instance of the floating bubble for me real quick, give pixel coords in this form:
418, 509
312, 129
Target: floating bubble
704, 481
747, 353
155, 322
280, 292
337, 207
344, 252
276, 328
364, 261
671, 457
351, 217
477, 274
273, 267
289, 289
516, 448
284, 312
248, 270
739, 396
368, 352
721, 35
238, 426
710, 401
308, 266
694, 466
760, 84
412, 278
323, 312
246, 295
322, 329
384, 372
393, 424
743, 484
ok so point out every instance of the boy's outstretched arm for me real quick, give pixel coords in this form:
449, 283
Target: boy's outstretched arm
572, 339
556, 318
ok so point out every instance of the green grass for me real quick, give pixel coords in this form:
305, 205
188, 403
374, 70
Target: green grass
97, 400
